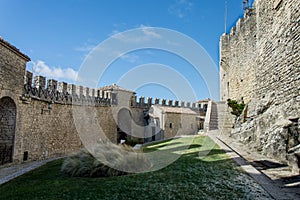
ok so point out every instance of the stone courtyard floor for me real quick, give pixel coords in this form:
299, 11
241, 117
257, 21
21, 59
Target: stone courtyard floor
277, 179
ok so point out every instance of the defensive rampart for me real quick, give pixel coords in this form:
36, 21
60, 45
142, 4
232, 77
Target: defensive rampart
259, 64
42, 118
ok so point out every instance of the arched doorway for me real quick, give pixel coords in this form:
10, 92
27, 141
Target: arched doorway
7, 129
124, 124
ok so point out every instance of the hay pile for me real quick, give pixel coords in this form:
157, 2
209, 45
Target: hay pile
107, 160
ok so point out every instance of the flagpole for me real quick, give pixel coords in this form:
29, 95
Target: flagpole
225, 17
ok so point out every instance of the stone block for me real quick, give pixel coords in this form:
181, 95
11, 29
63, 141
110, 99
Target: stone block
52, 84
182, 104
62, 87
170, 103
28, 78
71, 89
149, 101
39, 82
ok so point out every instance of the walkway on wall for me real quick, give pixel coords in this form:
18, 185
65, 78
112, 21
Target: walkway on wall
276, 178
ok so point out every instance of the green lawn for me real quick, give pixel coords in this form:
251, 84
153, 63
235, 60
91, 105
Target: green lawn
189, 177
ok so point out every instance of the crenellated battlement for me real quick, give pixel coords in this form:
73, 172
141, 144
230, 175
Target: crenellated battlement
40, 88
148, 102
63, 93
241, 21
236, 69
38, 112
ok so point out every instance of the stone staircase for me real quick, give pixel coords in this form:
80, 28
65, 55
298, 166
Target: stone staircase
220, 118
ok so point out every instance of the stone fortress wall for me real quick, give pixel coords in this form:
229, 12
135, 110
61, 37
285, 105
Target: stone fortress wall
26, 132
37, 115
237, 60
260, 64
261, 53
61, 92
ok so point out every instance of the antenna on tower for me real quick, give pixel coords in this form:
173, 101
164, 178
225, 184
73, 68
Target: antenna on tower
245, 4
225, 17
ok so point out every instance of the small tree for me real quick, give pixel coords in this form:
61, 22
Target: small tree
237, 108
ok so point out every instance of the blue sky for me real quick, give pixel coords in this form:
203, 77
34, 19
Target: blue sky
58, 35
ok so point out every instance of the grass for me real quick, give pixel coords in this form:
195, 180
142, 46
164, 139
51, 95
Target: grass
190, 177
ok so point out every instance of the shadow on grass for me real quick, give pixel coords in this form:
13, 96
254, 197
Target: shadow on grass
157, 146
186, 178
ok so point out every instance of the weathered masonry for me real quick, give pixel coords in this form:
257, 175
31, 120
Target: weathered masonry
12, 69
260, 64
261, 53
27, 131
42, 118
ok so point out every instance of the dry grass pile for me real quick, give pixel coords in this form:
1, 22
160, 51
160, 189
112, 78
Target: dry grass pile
107, 160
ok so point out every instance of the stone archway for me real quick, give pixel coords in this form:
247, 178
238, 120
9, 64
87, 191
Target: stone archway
124, 124
7, 129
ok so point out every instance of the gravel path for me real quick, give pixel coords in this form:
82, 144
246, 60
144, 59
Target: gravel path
271, 180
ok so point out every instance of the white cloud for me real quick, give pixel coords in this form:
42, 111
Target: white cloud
128, 57
117, 28
86, 47
132, 58
113, 33
173, 43
147, 33
41, 68
181, 8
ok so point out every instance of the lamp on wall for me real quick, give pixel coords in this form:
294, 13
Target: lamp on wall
48, 109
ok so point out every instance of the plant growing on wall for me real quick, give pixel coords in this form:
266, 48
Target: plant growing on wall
237, 108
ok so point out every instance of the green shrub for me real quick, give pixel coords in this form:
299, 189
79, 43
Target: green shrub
107, 160
237, 108
132, 141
